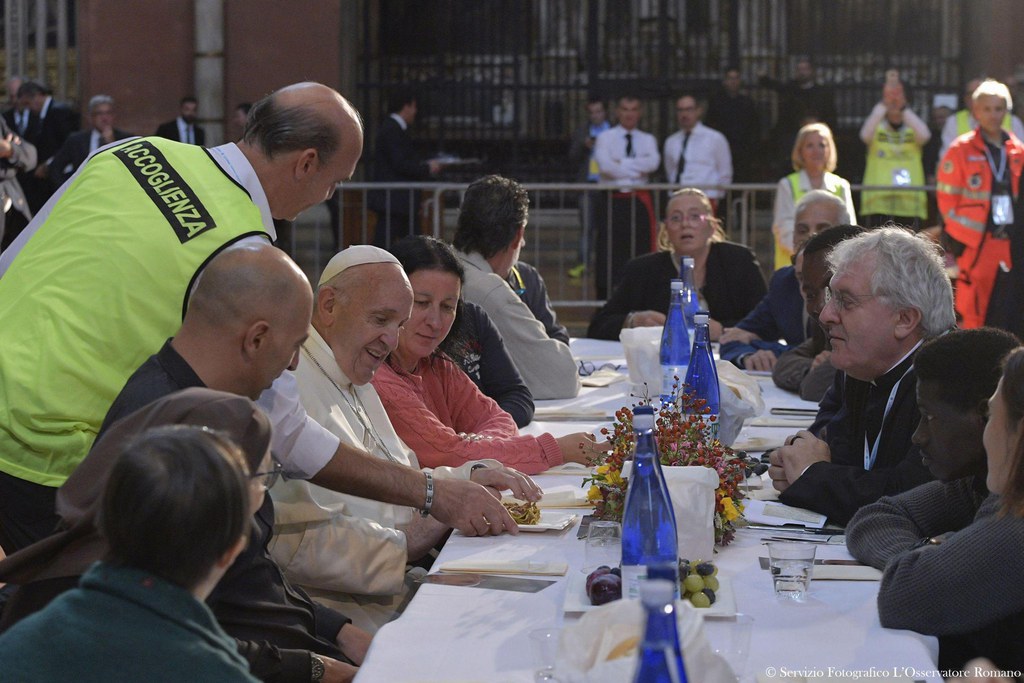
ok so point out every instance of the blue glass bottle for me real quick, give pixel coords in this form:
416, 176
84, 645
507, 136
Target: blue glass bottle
691, 300
661, 657
648, 523
675, 345
702, 375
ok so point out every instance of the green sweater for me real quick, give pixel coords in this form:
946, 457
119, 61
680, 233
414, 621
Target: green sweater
121, 624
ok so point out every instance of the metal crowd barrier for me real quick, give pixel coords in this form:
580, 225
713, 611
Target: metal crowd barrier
556, 242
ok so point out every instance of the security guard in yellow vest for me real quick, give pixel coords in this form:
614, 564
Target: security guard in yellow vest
895, 137
100, 279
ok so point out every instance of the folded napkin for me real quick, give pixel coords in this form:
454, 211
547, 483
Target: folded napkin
602, 378
845, 572
776, 421
568, 468
755, 444
602, 646
559, 497
569, 413
763, 493
506, 567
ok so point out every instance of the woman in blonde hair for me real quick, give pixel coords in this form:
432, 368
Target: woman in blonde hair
814, 158
727, 275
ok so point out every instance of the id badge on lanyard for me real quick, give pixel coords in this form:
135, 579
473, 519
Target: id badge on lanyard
1002, 207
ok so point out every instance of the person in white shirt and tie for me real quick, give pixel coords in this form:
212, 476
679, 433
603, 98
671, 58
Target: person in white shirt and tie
695, 155
625, 156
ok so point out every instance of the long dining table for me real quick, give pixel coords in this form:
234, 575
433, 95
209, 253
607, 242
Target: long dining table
468, 633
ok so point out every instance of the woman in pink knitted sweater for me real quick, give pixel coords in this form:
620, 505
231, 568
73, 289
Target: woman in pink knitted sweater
434, 406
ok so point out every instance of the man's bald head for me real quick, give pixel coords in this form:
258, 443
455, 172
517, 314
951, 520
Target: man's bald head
248, 282
247, 317
302, 140
301, 116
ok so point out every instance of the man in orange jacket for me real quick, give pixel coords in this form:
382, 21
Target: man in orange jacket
978, 183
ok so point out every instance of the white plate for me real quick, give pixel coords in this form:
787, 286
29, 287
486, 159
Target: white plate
576, 599
550, 520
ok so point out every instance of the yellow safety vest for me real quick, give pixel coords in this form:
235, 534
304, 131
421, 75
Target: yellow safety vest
963, 122
98, 289
783, 257
894, 158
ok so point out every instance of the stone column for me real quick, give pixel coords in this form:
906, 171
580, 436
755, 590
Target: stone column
209, 68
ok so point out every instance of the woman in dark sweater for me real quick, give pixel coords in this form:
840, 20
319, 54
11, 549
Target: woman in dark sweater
727, 275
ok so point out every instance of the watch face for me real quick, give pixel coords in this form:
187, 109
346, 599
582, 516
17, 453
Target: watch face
317, 669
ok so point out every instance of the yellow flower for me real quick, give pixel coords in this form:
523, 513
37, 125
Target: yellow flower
594, 494
602, 469
729, 509
614, 477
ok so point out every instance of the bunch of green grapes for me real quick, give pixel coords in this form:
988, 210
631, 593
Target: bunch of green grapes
698, 582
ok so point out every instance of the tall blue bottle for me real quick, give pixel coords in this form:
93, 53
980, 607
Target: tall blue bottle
675, 344
661, 657
691, 299
648, 523
702, 375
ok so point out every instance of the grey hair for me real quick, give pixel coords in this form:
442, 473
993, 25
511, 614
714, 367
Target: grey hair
908, 273
97, 100
993, 88
823, 197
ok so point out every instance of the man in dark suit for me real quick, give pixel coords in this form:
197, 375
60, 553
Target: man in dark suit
395, 160
184, 128
80, 145
50, 123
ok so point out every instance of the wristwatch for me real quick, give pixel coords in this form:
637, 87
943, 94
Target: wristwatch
316, 668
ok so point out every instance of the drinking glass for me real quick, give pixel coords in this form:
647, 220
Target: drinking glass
545, 653
603, 545
729, 638
791, 567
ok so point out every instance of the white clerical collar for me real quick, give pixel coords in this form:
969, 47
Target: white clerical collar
400, 120
907, 355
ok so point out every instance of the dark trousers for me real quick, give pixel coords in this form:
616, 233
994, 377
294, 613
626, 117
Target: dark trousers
27, 512
626, 230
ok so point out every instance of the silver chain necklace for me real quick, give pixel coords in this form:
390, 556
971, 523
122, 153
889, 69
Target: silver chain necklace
360, 411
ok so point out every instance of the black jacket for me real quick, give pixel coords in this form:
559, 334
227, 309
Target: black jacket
733, 286
395, 160
841, 487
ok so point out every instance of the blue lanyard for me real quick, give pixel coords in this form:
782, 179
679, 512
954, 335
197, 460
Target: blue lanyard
871, 454
997, 176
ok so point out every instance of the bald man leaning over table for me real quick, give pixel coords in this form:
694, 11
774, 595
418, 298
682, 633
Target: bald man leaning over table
101, 278
889, 292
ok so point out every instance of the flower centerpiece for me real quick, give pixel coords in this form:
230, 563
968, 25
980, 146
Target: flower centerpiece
685, 435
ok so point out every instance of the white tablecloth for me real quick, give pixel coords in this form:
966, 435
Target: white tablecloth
471, 634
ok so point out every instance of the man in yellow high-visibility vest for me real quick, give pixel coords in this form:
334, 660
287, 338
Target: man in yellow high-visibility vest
101, 277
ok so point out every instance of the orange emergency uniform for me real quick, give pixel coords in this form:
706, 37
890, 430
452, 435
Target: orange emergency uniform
964, 192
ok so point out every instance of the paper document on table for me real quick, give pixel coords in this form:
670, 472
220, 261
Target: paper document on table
777, 514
